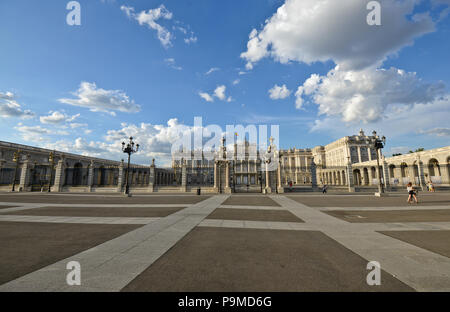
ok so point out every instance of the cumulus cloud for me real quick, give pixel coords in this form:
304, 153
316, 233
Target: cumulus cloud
206, 96
297, 30
37, 133
279, 93
219, 93
9, 107
101, 100
57, 117
365, 95
150, 19
399, 121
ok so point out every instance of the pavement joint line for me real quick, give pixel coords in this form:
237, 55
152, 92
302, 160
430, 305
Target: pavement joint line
23, 206
113, 264
421, 269
380, 208
80, 220
251, 207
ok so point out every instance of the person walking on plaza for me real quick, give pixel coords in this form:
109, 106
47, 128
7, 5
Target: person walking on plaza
412, 194
431, 187
324, 189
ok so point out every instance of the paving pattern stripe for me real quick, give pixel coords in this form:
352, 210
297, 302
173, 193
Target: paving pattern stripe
81, 220
252, 207
256, 224
113, 264
412, 207
419, 268
408, 226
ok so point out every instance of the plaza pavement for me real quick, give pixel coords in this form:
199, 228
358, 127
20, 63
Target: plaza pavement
224, 243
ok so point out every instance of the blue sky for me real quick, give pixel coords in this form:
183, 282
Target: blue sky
84, 88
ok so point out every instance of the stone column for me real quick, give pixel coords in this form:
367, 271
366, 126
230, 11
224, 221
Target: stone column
59, 176
151, 178
351, 186
423, 183
227, 177
25, 175
216, 177
369, 170
280, 189
445, 179
90, 181
386, 174
121, 180
313, 175
359, 154
369, 152
183, 178
268, 189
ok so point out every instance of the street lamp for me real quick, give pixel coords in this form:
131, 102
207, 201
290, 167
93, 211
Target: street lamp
129, 149
51, 160
378, 143
16, 159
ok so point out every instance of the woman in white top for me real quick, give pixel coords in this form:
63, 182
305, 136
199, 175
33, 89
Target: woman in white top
412, 193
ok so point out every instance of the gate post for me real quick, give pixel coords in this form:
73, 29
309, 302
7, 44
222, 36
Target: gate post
183, 177
59, 176
351, 186
25, 175
90, 176
120, 178
151, 178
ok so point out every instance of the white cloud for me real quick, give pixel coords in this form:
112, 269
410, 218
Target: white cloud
211, 70
441, 132
150, 19
399, 121
101, 100
236, 81
57, 117
297, 32
366, 95
171, 62
37, 133
10, 108
219, 92
278, 93
206, 96
190, 39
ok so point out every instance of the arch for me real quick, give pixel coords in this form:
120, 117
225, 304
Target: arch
366, 176
344, 178
392, 171
77, 177
434, 168
357, 177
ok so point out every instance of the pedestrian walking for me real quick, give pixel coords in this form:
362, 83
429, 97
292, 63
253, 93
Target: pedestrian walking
412, 193
324, 189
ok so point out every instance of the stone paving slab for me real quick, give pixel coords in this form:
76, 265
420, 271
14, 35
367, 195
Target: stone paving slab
435, 241
112, 265
387, 216
254, 215
250, 200
101, 199
370, 200
81, 220
419, 268
251, 207
27, 247
258, 260
379, 208
256, 224
97, 211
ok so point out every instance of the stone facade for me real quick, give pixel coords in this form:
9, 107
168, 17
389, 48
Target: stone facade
349, 163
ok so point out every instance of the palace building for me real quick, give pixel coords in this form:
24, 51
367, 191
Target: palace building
352, 163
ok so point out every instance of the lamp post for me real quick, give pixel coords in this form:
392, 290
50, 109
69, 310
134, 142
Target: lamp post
378, 143
129, 149
16, 159
51, 160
